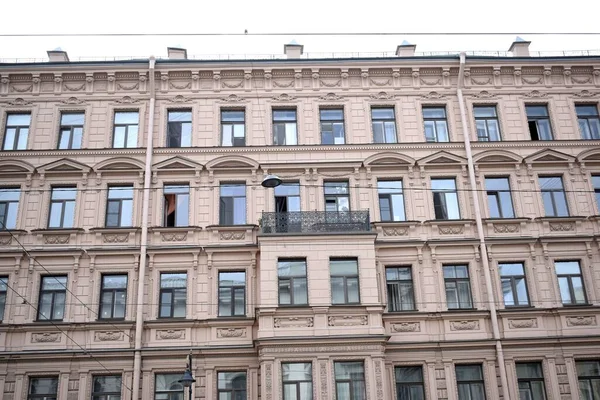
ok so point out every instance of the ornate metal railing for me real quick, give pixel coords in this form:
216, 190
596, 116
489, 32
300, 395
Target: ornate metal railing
315, 222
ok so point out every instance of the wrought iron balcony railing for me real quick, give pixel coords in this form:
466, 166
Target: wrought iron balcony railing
315, 222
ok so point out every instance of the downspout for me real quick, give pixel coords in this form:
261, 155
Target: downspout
480, 233
139, 314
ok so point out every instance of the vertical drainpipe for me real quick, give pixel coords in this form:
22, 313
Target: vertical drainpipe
139, 314
480, 233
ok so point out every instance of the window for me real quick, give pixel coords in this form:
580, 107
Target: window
531, 381
126, 128
287, 197
409, 383
499, 198
445, 198
233, 204
113, 296
119, 208
436, 124
344, 281
233, 128
539, 122
179, 129
336, 196
293, 288
514, 285
107, 388
43, 388
297, 381
231, 386
232, 294
391, 200
177, 205
486, 120
9, 205
71, 130
332, 126
53, 292
589, 121
588, 373
285, 128
596, 183
469, 379
62, 207
167, 387
3, 290
384, 125
173, 294
570, 282
458, 287
399, 289
17, 131
350, 380
553, 195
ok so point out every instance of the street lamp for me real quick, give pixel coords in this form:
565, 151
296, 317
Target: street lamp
271, 181
187, 380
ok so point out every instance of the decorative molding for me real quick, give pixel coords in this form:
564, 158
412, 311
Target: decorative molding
284, 97
377, 82
347, 320
379, 379
562, 226
233, 98
283, 85
46, 337
231, 332
172, 85
293, 322
433, 96
581, 80
587, 320
108, 336
536, 94
232, 85
382, 96
431, 82
484, 94
398, 231
269, 381
331, 83
19, 101
532, 81
522, 323
72, 101
127, 100
232, 235
170, 334
133, 86
56, 239
5, 240
466, 325
451, 229
406, 327
21, 88
367, 348
323, 377
506, 228
174, 237
72, 88
585, 94
179, 99
115, 237
330, 97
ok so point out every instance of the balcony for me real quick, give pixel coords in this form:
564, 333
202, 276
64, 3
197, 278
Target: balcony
314, 222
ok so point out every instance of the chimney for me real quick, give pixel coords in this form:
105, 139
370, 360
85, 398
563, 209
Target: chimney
177, 53
293, 49
57, 55
520, 47
406, 49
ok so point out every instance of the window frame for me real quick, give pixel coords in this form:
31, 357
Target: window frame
383, 121
389, 198
409, 384
336, 196
43, 396
345, 281
445, 203
569, 277
172, 290
496, 195
18, 129
232, 291
233, 391
456, 281
98, 395
332, 122
53, 301
222, 210
5, 204
114, 293
232, 124
495, 118
70, 128
529, 380
349, 380
471, 381
174, 188
513, 285
167, 392
119, 186
296, 383
283, 122
588, 378
587, 119
553, 194
291, 280
169, 135
596, 190
435, 120
412, 289
63, 203
535, 119
4, 284
127, 128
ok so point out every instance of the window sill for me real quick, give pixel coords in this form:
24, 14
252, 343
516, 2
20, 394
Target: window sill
568, 218
109, 320
506, 220
115, 229
230, 227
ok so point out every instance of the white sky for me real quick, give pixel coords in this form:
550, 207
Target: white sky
202, 16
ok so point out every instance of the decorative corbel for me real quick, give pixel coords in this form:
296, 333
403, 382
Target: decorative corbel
532, 250
420, 254
433, 255
98, 178
197, 173
136, 262
76, 258
31, 263
588, 249
92, 263
84, 179
18, 264
545, 250
211, 176
209, 260
141, 177
195, 261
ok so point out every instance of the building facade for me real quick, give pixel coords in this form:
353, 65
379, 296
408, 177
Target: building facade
435, 235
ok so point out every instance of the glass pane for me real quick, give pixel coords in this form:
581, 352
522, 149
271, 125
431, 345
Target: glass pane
55, 215
494, 205
43, 386
182, 116
336, 187
239, 210
9, 139
72, 119
567, 267
385, 208
551, 182
522, 291
126, 213
409, 374
507, 292
529, 370
332, 115
296, 371
285, 291
129, 117
183, 205
232, 116
65, 137
173, 280
378, 133
587, 110
114, 281
482, 133
132, 136
578, 289
497, 184
69, 214
584, 127
481, 111
180, 300
389, 186
442, 131
536, 111
493, 130
337, 291
430, 135
398, 207
548, 205
464, 294
565, 293
120, 192
595, 128
544, 129
506, 205
382, 113
300, 291
284, 115
106, 305
165, 304
434, 112
390, 132
452, 206
186, 135
45, 306
59, 305
588, 368
443, 184
234, 190
287, 268
468, 373
227, 279
77, 135
168, 382
119, 137
54, 283
22, 141
291, 137
18, 120
9, 194
349, 370
561, 204
343, 267
352, 288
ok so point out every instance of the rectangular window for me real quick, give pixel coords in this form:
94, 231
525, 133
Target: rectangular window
9, 205
514, 285
499, 198
232, 210
126, 128
293, 289
384, 125
106, 387
332, 126
445, 198
588, 373
458, 287
113, 296
179, 128
596, 183
297, 381
350, 380
43, 388
177, 205
231, 385
167, 387
539, 122
531, 381
391, 200
285, 128
233, 128
17, 131
62, 207
3, 290
119, 207
589, 121
71, 130
173, 295
486, 120
409, 383
232, 294
553, 195
53, 292
400, 291
344, 281
436, 124
287, 197
469, 379
570, 282
337, 196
